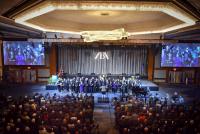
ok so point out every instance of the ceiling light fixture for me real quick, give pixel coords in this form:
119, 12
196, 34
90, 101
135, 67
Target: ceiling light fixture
104, 14
90, 36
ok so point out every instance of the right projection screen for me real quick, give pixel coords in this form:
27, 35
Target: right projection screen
180, 55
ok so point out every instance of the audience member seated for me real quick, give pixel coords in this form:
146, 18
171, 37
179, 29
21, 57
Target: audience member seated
177, 99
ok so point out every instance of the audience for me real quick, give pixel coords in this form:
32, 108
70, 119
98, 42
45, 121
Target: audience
134, 116
45, 114
70, 114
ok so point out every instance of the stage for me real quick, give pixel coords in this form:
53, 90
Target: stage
146, 84
190, 93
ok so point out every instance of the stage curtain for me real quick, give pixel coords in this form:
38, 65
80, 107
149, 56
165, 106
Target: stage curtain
129, 60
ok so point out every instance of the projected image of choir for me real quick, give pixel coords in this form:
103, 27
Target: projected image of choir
182, 55
23, 53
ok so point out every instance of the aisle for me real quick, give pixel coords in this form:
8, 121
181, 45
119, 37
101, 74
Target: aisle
104, 116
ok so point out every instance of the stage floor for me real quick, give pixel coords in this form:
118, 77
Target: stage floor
149, 85
144, 84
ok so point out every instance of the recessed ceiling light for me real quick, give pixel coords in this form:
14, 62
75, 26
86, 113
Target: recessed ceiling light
105, 14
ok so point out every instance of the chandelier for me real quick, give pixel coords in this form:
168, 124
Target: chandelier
90, 36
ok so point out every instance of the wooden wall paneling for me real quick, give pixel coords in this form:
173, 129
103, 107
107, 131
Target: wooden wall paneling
151, 58
53, 60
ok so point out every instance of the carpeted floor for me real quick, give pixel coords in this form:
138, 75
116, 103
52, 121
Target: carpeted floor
104, 117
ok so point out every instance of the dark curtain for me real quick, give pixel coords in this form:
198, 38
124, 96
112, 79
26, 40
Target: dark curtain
129, 60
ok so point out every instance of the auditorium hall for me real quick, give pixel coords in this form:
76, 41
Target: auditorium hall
100, 66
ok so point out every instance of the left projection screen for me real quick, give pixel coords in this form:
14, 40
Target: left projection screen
23, 53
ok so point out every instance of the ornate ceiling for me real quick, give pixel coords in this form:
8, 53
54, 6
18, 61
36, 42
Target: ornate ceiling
77, 17
90, 17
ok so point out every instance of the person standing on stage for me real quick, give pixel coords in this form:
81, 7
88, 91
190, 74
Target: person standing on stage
114, 85
92, 84
81, 87
103, 91
86, 85
60, 84
98, 84
66, 85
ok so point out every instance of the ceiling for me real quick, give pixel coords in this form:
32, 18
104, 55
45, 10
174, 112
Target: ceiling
8, 28
195, 3
6, 5
87, 20
78, 21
